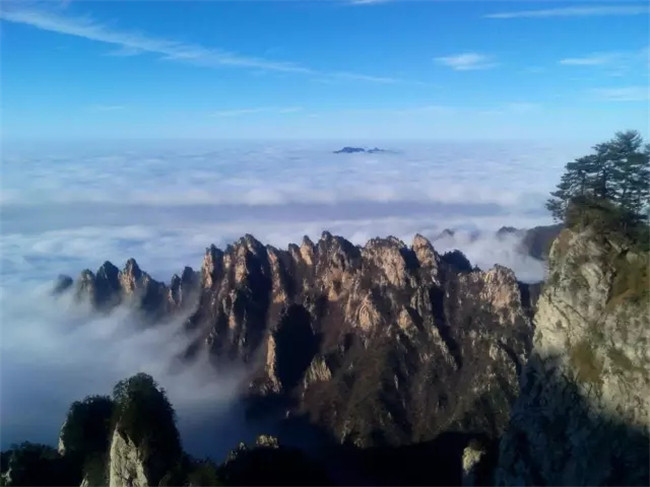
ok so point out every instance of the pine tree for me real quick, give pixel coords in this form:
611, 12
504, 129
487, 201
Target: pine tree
577, 181
618, 171
632, 170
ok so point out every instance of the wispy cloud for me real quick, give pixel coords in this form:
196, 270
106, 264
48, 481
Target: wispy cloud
467, 61
617, 63
248, 111
592, 11
132, 43
367, 2
591, 60
624, 93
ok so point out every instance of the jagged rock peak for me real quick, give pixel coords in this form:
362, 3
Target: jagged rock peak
188, 274
212, 266
130, 276
420, 241
389, 241
132, 268
87, 275
306, 242
250, 243
107, 271
424, 252
62, 284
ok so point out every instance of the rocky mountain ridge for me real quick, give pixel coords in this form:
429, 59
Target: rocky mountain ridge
349, 336
422, 360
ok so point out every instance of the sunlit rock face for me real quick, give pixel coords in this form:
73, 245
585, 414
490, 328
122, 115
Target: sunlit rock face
385, 343
382, 344
127, 463
582, 416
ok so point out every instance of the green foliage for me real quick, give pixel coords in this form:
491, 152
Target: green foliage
190, 471
271, 466
86, 436
618, 172
96, 469
86, 429
204, 473
609, 220
35, 464
143, 413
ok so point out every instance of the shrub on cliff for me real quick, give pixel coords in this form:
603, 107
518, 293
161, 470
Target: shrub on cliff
143, 413
36, 464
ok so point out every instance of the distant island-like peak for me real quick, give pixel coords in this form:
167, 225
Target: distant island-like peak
353, 150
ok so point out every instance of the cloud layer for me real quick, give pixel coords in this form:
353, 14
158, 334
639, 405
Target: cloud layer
68, 207
54, 352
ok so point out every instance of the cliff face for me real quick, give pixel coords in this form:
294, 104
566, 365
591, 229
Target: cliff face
126, 465
381, 344
582, 415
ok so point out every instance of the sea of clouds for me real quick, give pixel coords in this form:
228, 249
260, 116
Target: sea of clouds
70, 206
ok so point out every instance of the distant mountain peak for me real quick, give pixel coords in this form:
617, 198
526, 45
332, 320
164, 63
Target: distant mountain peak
354, 150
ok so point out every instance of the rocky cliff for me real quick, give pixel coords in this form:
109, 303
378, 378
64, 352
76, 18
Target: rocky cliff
582, 415
380, 344
126, 463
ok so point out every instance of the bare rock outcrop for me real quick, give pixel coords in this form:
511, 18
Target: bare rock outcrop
354, 334
381, 344
582, 415
127, 465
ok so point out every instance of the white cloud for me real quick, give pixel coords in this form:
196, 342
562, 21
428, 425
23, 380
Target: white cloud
623, 94
55, 352
467, 61
618, 63
591, 11
488, 250
591, 60
214, 173
70, 207
131, 43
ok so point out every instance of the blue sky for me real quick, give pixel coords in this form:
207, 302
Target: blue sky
323, 69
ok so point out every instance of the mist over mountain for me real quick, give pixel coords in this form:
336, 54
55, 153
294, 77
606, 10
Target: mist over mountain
339, 345
335, 242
